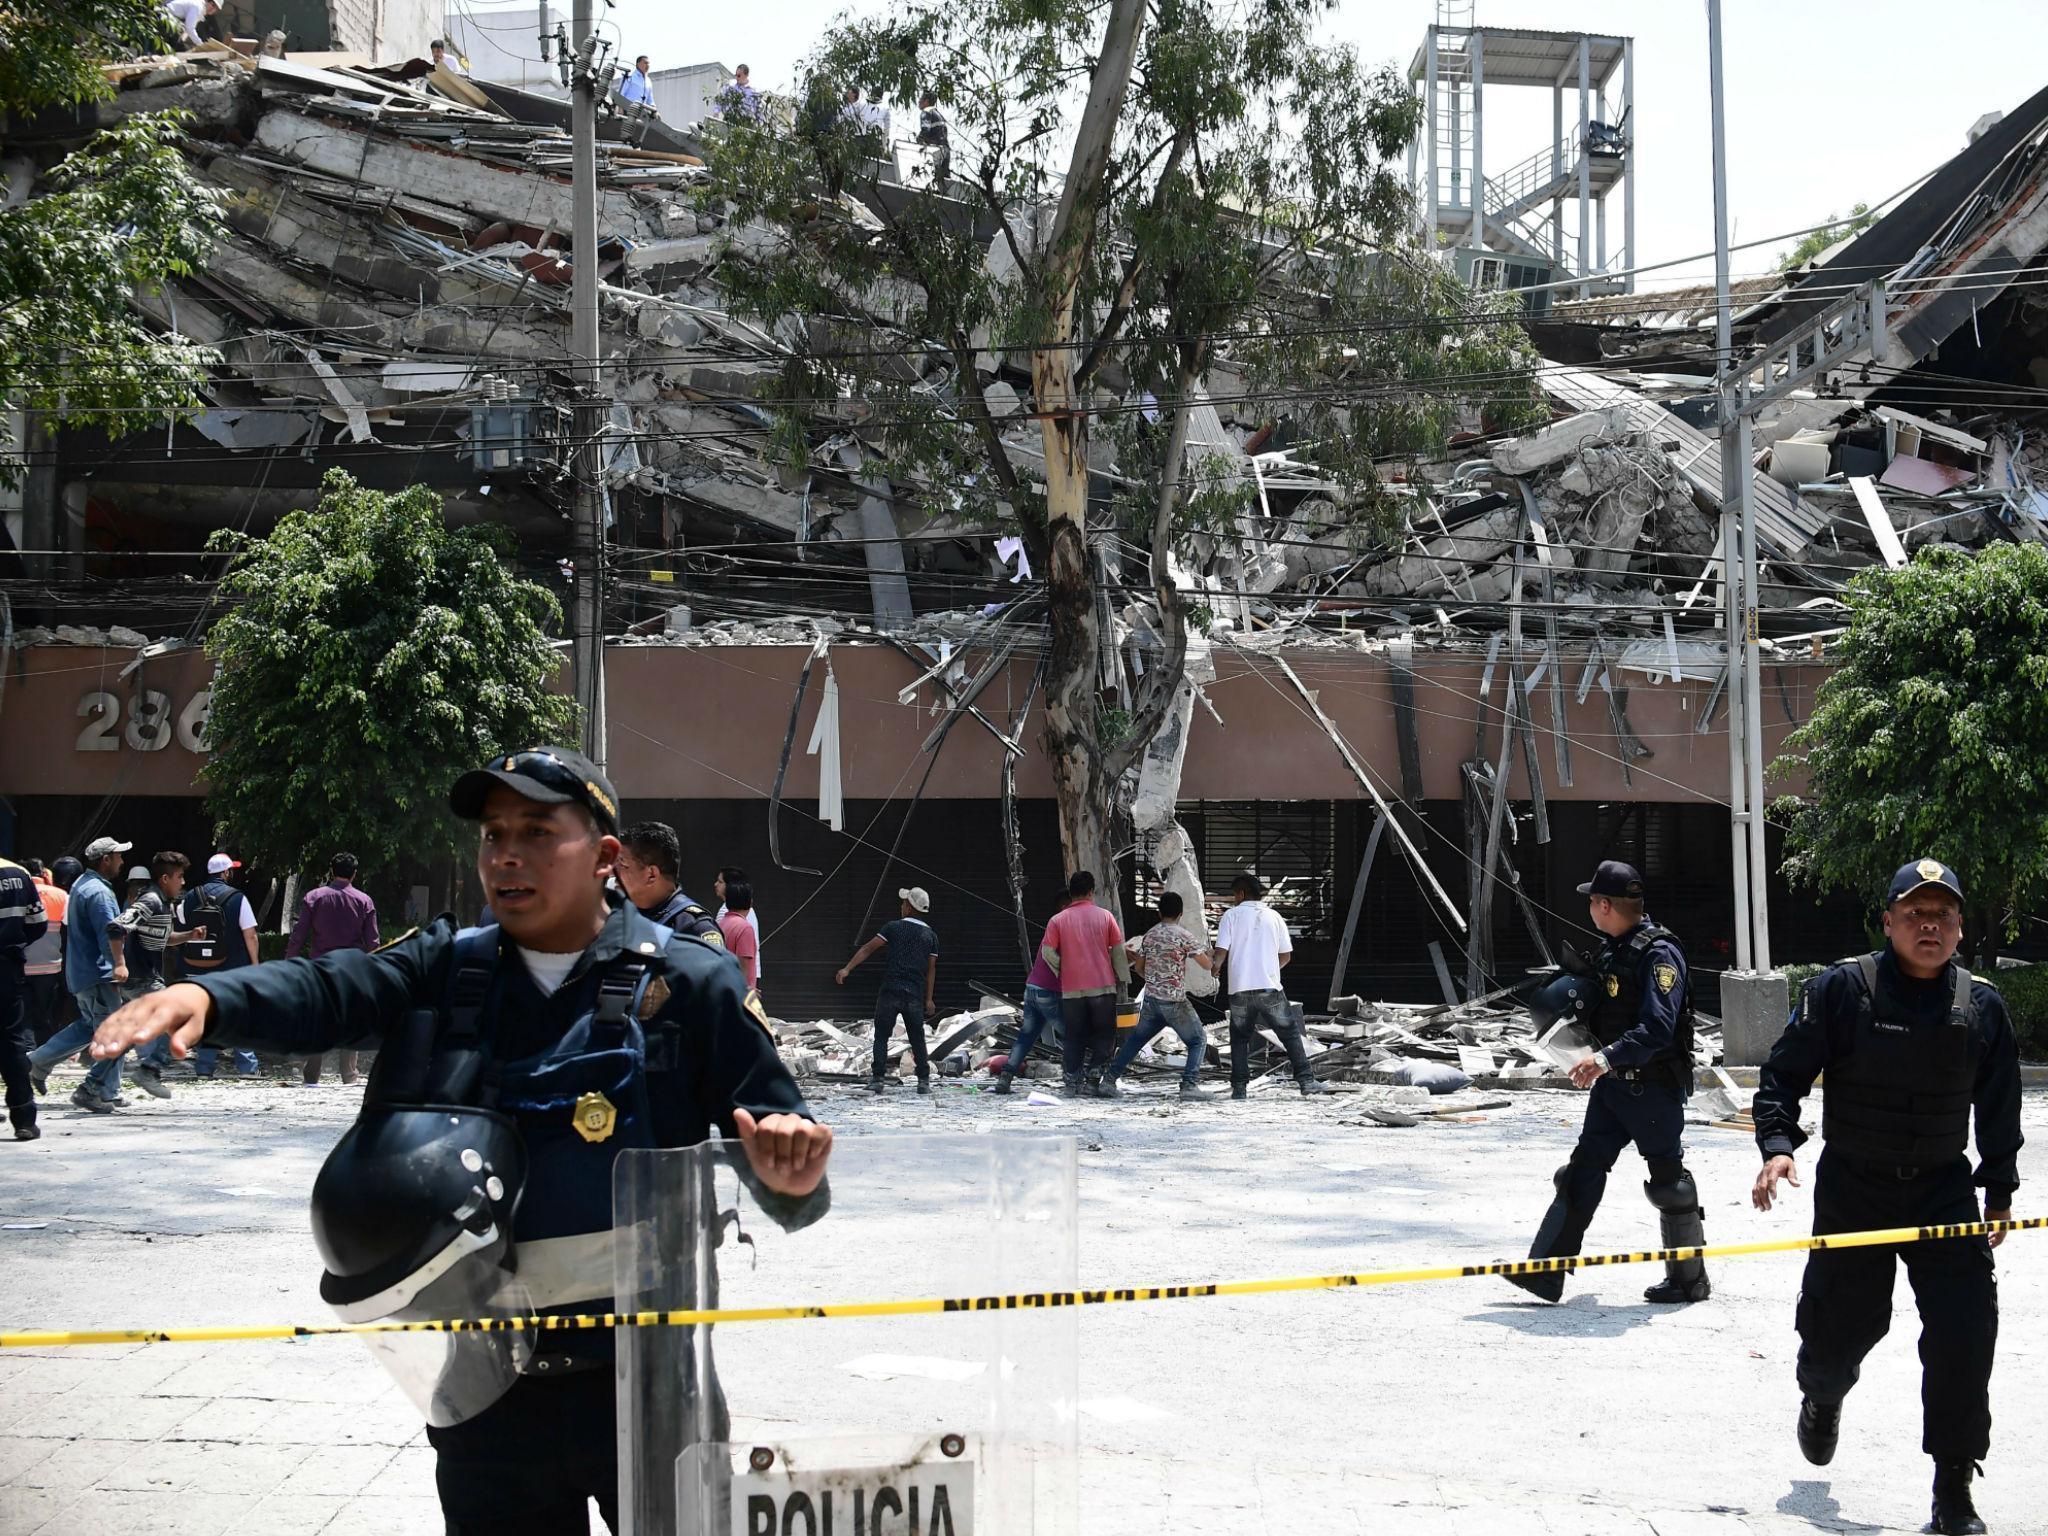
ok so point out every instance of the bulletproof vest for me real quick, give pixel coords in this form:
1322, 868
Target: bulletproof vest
1618, 997
577, 1103
1903, 1093
208, 949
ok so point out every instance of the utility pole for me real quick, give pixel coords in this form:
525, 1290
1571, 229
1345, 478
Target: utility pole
1753, 997
589, 414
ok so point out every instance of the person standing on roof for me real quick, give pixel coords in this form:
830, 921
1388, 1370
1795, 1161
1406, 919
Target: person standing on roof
910, 976
636, 87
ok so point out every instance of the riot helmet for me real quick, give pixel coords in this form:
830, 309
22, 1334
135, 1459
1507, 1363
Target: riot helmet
412, 1214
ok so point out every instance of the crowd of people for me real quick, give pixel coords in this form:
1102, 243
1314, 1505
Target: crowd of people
103, 938
526, 1016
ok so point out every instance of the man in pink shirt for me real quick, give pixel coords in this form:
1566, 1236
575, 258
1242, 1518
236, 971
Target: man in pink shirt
736, 926
1085, 949
332, 917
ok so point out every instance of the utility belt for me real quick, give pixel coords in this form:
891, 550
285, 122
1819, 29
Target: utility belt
1667, 1074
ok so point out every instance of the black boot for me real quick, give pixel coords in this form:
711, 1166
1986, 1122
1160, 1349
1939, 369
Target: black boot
1820, 1427
1678, 1213
1310, 1086
1071, 1086
1954, 1513
1003, 1082
1560, 1236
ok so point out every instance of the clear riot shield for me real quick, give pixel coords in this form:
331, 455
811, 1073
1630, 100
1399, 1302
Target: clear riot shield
940, 1425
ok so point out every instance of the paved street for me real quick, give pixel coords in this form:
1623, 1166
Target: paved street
1453, 1407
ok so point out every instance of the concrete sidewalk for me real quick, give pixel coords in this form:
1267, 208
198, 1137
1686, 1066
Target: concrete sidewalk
1443, 1408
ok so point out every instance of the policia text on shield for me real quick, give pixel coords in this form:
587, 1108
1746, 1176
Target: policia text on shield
516, 1061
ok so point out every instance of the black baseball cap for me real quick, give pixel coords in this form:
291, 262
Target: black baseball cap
1614, 878
1920, 874
550, 775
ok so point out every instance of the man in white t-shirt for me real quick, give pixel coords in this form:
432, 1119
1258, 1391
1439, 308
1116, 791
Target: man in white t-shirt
1253, 942
733, 872
186, 15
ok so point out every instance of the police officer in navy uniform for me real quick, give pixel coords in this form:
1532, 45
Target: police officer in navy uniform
22, 922
533, 1051
650, 869
1637, 1001
1910, 1043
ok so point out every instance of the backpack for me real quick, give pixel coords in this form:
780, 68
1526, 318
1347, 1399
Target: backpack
206, 910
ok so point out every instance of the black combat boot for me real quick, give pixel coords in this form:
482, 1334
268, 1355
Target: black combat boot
1820, 1427
1671, 1191
1954, 1513
1311, 1086
1562, 1233
1003, 1082
1071, 1086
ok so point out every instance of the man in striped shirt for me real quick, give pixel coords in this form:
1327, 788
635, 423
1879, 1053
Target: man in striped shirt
137, 939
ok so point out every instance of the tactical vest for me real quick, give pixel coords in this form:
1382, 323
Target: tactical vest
577, 1104
1618, 1003
1902, 1095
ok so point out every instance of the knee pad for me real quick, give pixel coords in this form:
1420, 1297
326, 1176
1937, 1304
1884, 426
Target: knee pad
1670, 1187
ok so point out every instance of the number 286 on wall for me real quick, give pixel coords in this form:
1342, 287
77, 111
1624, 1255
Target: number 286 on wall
143, 723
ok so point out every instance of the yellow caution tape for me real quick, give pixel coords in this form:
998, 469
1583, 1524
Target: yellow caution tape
1018, 1300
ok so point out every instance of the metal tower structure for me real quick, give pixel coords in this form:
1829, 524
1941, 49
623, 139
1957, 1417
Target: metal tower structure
1511, 227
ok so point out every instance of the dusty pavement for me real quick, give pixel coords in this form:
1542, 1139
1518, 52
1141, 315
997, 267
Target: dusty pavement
1456, 1407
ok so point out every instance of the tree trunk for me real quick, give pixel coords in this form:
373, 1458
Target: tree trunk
1073, 715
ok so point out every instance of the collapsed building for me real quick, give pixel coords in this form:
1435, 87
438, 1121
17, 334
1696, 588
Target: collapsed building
1421, 745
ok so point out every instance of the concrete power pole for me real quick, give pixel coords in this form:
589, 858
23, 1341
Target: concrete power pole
1753, 996
590, 413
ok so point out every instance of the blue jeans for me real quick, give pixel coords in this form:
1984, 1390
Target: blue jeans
156, 1054
94, 1004
1041, 1008
207, 1057
1176, 1014
1265, 1006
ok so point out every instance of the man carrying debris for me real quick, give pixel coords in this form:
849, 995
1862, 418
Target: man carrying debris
1252, 940
186, 15
1163, 961
910, 973
1640, 1012
1910, 1043
517, 1061
1085, 949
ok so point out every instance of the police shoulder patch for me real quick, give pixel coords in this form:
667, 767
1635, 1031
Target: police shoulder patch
652, 996
758, 1013
1666, 975
714, 939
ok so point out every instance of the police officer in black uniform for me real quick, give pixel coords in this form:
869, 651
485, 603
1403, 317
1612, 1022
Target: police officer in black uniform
650, 867
1637, 1001
516, 1061
1911, 1043
22, 922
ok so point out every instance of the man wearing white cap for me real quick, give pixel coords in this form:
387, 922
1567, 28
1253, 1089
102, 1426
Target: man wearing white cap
89, 977
909, 976
223, 926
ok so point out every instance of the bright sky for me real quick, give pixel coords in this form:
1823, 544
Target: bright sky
1829, 101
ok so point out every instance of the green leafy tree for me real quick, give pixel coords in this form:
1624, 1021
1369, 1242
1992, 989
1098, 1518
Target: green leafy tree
1930, 737
370, 654
1812, 244
122, 214
1148, 199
